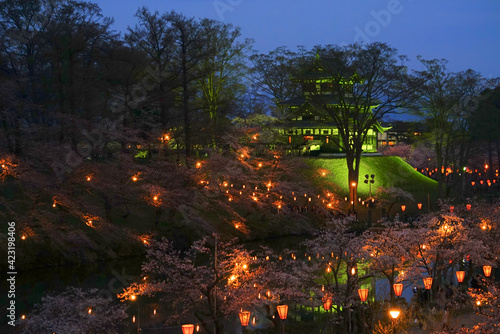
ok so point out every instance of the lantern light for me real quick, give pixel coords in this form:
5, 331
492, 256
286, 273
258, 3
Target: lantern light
282, 311
394, 314
403, 207
460, 276
487, 270
452, 208
363, 294
398, 289
244, 318
419, 205
188, 329
327, 302
428, 283
468, 207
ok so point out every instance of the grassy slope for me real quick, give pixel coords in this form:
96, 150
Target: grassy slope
389, 172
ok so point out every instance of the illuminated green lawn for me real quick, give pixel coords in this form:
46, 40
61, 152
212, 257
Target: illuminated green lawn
389, 172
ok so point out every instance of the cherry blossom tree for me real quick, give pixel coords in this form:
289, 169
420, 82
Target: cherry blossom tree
75, 311
212, 280
388, 252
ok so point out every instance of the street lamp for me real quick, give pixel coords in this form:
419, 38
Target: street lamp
394, 314
244, 319
370, 182
353, 195
283, 312
188, 329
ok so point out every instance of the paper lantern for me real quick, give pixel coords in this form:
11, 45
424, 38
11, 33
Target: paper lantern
419, 205
468, 207
403, 207
398, 289
487, 271
452, 208
460, 276
244, 318
363, 294
428, 283
282, 311
188, 329
327, 302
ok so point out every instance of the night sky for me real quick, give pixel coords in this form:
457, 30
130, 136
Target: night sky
465, 32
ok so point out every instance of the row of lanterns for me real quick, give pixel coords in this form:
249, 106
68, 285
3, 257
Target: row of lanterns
452, 208
244, 319
327, 300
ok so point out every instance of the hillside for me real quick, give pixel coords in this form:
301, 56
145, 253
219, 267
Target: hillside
99, 212
388, 171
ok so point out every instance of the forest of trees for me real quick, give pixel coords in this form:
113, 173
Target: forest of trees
73, 84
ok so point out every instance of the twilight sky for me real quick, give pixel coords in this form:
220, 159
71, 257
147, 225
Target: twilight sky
465, 32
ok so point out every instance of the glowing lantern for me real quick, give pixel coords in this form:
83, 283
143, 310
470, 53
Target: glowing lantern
394, 314
353, 271
188, 329
481, 181
363, 294
403, 207
282, 311
155, 198
398, 289
134, 178
327, 302
428, 283
452, 208
473, 183
419, 205
244, 318
468, 206
487, 271
90, 310
89, 178
460, 276
23, 237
